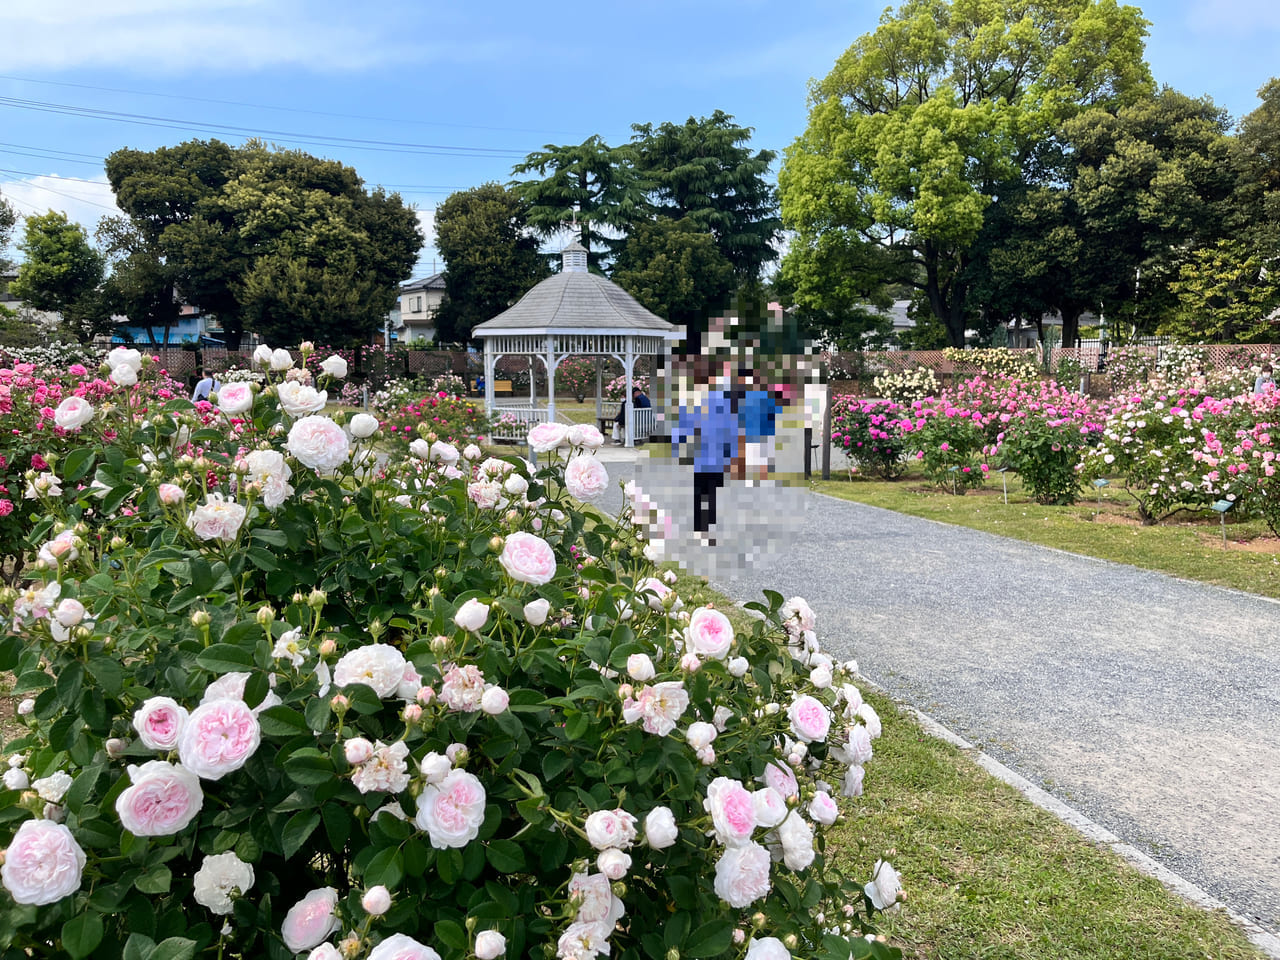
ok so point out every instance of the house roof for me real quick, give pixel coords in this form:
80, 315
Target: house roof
433, 282
577, 301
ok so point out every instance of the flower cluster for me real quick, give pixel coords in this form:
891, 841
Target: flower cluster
279, 701
999, 362
907, 386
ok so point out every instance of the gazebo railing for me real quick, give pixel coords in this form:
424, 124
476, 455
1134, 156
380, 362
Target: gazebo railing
513, 420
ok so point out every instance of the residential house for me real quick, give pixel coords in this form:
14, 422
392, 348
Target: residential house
418, 304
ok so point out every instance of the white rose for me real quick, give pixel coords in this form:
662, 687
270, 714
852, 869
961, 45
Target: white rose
490, 945
378, 666
69, 612
585, 435
767, 948
125, 357
472, 452
640, 668
15, 778
660, 830
869, 717
298, 399
73, 413
494, 701
535, 611
377, 899
363, 425
586, 478
443, 452
334, 366
700, 734
123, 376
281, 359
262, 355
53, 787
769, 805
319, 443
820, 676
742, 875
796, 837
884, 886
220, 879
435, 767
738, 667
472, 615
610, 828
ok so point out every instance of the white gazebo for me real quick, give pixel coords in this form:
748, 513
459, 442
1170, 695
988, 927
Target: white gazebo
574, 313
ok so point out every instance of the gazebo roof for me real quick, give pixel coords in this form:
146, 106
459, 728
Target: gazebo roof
574, 301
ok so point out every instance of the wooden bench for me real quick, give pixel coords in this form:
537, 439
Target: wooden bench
503, 388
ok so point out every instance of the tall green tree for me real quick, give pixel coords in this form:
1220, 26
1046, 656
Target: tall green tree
674, 269
922, 121
835, 282
276, 241
1151, 182
60, 271
491, 258
701, 170
591, 184
142, 284
1226, 292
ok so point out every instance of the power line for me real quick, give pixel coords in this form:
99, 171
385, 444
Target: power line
32, 173
302, 110
66, 153
383, 146
69, 196
48, 156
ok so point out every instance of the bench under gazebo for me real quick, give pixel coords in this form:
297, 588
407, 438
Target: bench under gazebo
574, 313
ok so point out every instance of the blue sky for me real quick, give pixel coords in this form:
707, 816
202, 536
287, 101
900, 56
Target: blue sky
456, 93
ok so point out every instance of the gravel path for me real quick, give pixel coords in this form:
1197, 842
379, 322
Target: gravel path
1150, 704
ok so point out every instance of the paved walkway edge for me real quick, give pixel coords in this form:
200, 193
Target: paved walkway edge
1264, 940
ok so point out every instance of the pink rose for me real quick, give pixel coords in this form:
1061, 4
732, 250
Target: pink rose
217, 518
220, 737
640, 667
490, 945
452, 811
781, 778
586, 477
310, 920
528, 558
585, 435
162, 800
73, 413
610, 828
472, 615
495, 701
742, 875
660, 830
171, 495
547, 436
823, 809
399, 946
159, 722
709, 634
357, 750
376, 900
319, 443
235, 397
732, 811
613, 863
535, 611
810, 719
658, 706
43, 863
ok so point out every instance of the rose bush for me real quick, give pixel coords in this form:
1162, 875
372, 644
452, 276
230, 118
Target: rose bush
238, 743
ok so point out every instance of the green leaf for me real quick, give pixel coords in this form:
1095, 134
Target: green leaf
156, 880
272, 538
709, 940
386, 868
76, 465
308, 767
82, 787
337, 824
81, 935
451, 935
300, 826
282, 721
506, 856
174, 948
138, 947
225, 658
109, 674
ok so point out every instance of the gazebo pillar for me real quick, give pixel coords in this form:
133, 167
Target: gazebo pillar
628, 365
488, 377
551, 379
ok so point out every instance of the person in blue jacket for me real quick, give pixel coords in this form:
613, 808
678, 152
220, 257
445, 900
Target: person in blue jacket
711, 428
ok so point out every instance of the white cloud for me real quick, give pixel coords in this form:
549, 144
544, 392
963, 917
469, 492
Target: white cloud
84, 202
180, 34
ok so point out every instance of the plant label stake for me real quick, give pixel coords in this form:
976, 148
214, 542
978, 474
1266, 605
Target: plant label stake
1098, 485
952, 471
1004, 480
1222, 506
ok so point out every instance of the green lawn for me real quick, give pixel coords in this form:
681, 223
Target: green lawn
989, 874
1189, 547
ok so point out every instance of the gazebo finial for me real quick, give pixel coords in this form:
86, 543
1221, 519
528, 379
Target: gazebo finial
574, 258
